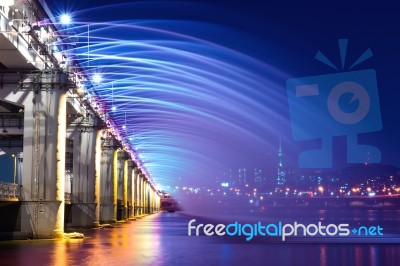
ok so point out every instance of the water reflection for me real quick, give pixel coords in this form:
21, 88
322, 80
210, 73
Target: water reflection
162, 240
60, 256
323, 254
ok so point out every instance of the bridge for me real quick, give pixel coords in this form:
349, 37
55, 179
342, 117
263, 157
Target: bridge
72, 168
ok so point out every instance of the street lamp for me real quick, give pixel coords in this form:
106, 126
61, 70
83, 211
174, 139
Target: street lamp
65, 19
97, 78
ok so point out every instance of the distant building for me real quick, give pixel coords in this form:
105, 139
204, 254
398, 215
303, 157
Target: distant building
242, 177
225, 179
280, 180
259, 179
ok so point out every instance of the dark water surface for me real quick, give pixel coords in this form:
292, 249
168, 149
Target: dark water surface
162, 239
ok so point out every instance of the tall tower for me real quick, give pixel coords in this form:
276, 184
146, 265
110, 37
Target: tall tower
280, 180
242, 179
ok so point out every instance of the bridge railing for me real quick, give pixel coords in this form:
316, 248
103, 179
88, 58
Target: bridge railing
10, 191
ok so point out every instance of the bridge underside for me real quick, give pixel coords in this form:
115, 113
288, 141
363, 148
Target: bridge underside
68, 170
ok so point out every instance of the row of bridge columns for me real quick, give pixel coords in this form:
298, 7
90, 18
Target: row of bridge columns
106, 184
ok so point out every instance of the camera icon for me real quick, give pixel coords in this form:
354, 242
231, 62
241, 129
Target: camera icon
339, 104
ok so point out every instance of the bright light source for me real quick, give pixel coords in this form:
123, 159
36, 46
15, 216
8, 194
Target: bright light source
225, 184
80, 90
8, 3
97, 78
123, 127
65, 19
114, 108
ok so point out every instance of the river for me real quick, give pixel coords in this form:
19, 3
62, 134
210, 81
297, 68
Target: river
162, 239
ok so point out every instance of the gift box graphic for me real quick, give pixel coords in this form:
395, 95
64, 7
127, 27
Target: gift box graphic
340, 104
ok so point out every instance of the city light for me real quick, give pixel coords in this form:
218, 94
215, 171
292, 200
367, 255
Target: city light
226, 184
65, 19
80, 90
97, 78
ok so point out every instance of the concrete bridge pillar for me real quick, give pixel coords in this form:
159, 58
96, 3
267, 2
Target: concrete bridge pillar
136, 179
42, 209
122, 184
155, 198
142, 192
125, 187
147, 193
139, 194
157, 202
108, 182
131, 188
85, 194
151, 199
152, 209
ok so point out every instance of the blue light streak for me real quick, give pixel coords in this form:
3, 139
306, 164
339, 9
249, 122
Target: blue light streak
190, 106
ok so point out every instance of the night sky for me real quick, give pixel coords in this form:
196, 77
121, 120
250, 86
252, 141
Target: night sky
206, 89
